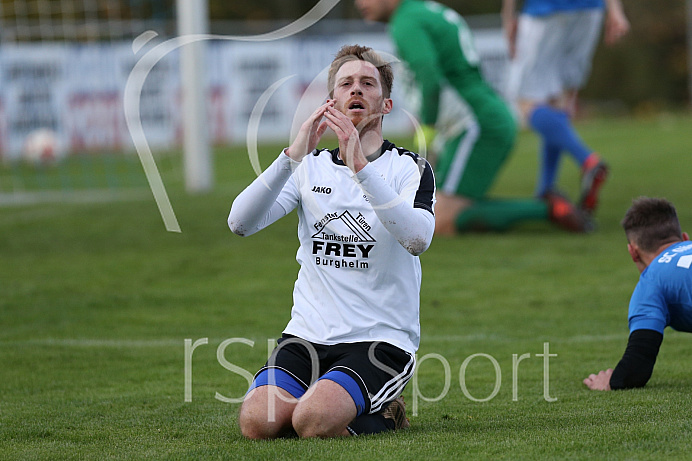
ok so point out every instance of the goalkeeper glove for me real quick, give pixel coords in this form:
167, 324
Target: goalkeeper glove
425, 135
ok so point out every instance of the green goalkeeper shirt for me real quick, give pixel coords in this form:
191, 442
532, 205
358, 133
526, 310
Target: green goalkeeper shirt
437, 47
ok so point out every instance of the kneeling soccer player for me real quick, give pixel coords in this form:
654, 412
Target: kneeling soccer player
368, 206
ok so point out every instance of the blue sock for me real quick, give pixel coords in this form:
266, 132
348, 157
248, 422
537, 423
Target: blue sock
547, 168
556, 130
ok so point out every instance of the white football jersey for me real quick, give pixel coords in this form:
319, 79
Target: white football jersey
356, 281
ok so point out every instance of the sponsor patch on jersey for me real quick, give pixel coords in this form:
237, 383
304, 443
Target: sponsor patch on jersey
342, 241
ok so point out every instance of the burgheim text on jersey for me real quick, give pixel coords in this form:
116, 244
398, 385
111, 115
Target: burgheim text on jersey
341, 263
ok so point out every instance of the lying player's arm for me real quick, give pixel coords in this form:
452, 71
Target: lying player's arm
413, 226
256, 207
637, 364
635, 367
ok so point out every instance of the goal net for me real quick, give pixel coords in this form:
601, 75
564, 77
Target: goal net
63, 68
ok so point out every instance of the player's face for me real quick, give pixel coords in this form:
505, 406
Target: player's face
358, 93
376, 10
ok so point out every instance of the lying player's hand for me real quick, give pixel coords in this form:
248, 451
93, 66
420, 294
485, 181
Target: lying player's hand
599, 382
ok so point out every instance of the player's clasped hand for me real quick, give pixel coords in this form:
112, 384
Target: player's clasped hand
310, 133
312, 130
350, 149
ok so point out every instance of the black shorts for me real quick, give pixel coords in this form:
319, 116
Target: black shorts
373, 373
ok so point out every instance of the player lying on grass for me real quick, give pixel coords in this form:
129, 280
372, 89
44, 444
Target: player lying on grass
365, 213
663, 296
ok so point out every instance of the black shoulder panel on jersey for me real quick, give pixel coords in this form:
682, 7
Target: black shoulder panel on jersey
335, 157
333, 153
637, 364
388, 145
426, 189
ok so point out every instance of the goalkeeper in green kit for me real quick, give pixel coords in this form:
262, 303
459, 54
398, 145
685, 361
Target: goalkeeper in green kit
468, 128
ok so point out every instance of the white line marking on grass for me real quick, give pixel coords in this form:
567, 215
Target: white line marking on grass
426, 339
88, 343
596, 338
78, 196
465, 338
113, 343
506, 339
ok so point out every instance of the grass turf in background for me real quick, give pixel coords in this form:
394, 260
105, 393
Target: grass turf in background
97, 301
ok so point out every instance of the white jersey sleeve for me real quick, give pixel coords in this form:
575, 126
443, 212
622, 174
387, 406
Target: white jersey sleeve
260, 204
413, 227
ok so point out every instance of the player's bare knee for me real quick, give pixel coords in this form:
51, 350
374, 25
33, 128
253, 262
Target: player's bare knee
309, 423
251, 429
249, 426
312, 428
255, 426
301, 422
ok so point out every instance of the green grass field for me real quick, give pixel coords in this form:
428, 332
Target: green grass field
97, 302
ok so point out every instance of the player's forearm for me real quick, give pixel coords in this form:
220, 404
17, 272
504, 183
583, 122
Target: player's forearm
509, 10
255, 207
637, 364
412, 227
614, 6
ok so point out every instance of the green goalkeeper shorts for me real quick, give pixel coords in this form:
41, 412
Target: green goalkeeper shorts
468, 163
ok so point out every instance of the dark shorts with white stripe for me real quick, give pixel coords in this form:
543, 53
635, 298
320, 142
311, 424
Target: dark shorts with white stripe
373, 373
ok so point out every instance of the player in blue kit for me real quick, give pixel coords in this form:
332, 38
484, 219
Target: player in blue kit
663, 296
551, 44
365, 213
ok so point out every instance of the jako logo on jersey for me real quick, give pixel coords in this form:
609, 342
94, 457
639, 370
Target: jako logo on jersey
322, 189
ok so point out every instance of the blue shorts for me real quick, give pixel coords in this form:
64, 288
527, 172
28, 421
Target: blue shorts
373, 373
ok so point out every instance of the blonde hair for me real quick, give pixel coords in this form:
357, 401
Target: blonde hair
361, 53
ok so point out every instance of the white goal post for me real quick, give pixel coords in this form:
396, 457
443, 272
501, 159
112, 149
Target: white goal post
193, 19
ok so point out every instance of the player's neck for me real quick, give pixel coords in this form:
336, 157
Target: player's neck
647, 258
371, 142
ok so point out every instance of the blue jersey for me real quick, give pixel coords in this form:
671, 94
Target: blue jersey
663, 296
545, 7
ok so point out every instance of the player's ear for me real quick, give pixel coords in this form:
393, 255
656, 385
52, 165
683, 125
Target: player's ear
685, 236
634, 253
387, 105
